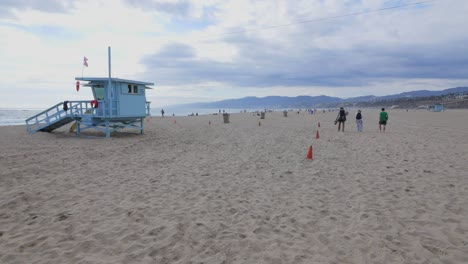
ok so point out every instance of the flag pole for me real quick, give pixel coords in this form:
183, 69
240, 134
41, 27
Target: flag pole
109, 91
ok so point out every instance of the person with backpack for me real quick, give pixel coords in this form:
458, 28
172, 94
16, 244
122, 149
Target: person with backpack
341, 119
359, 121
383, 118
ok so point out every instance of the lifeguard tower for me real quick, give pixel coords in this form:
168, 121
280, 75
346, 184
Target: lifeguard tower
436, 108
117, 104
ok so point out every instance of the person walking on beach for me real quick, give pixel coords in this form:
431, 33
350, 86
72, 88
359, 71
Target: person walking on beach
162, 112
383, 118
359, 121
341, 119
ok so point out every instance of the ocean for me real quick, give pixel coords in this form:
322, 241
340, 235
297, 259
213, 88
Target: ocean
13, 117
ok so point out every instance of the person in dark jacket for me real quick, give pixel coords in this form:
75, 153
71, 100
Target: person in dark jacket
359, 121
341, 119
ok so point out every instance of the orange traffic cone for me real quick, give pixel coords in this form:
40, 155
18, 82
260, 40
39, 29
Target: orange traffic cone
317, 136
319, 124
309, 154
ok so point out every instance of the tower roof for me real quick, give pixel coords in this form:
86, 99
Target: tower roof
105, 79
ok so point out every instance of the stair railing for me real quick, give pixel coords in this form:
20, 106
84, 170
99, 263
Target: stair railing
45, 118
76, 109
57, 113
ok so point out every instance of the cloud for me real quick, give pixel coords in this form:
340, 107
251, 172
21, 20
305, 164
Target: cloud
176, 51
178, 8
219, 49
352, 51
9, 7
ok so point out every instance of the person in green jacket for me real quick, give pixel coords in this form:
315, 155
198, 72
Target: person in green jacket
383, 120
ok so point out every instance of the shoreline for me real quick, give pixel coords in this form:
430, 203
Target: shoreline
238, 112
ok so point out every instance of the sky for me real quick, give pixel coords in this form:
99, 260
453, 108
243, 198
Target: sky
210, 50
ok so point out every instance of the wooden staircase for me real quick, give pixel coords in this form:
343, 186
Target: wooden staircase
57, 124
55, 116
102, 118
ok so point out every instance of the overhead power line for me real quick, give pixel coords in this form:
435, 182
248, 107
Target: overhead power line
329, 18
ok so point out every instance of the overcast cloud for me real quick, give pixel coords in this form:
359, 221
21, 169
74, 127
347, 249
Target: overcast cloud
209, 50
181, 8
8, 7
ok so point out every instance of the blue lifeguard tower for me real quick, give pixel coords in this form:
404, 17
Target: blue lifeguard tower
117, 104
436, 108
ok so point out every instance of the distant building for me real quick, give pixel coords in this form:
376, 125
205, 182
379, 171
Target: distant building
436, 108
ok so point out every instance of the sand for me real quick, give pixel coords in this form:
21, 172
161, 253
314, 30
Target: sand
190, 192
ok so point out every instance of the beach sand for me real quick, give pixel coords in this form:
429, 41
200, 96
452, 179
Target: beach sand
243, 192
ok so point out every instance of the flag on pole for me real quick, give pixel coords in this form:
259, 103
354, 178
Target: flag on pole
85, 61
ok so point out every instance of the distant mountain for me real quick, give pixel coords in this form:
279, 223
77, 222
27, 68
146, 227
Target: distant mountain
272, 102
424, 93
322, 101
366, 98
